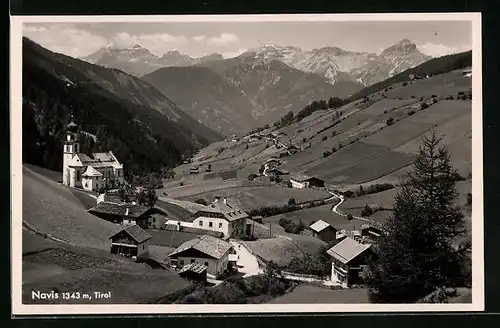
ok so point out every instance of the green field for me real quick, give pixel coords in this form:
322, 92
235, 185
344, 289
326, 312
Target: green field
249, 198
310, 294
54, 209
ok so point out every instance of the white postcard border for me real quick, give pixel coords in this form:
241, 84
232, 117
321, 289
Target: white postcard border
16, 173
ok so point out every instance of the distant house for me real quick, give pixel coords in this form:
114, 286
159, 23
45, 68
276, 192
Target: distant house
222, 217
323, 230
466, 73
272, 163
304, 181
131, 241
274, 172
126, 213
257, 218
207, 250
292, 149
194, 170
194, 271
371, 231
349, 258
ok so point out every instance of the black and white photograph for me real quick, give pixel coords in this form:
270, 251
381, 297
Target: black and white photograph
246, 163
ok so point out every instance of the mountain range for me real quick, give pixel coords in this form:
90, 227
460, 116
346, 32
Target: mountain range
238, 94
139, 61
332, 63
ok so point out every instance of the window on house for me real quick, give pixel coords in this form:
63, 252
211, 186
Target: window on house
154, 220
192, 260
181, 262
206, 263
201, 223
220, 224
86, 184
210, 224
77, 175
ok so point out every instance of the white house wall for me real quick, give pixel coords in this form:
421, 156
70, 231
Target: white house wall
225, 227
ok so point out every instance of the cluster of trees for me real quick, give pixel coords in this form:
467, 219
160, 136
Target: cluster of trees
292, 227
319, 264
373, 189
143, 196
331, 103
255, 289
417, 255
273, 210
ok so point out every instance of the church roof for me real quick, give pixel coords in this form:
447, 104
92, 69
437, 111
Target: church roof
91, 172
72, 126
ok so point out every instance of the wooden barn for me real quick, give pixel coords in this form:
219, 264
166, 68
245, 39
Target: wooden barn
131, 241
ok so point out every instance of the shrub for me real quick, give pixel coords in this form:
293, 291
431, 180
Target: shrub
201, 201
424, 105
349, 217
291, 201
334, 133
410, 113
311, 205
469, 198
252, 176
181, 184
413, 96
390, 121
460, 93
304, 140
405, 84
367, 211
324, 138
385, 111
326, 153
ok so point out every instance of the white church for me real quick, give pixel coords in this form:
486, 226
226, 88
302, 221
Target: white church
86, 172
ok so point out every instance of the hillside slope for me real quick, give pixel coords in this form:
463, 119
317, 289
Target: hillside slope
204, 94
143, 138
434, 66
364, 142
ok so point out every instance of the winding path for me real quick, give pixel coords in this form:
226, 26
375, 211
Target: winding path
341, 200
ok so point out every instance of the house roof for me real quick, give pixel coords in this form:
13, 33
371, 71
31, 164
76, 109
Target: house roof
99, 160
272, 159
347, 250
136, 232
91, 172
194, 267
209, 245
230, 212
71, 125
302, 177
128, 210
319, 225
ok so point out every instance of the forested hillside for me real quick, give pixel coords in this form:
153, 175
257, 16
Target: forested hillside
144, 139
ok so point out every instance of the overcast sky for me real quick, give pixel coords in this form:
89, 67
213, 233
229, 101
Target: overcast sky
230, 39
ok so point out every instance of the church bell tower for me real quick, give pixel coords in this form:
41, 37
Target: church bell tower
71, 147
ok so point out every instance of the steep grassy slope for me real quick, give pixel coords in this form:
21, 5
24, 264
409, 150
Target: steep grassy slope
53, 209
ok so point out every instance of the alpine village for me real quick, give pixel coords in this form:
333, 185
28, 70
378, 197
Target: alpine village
246, 179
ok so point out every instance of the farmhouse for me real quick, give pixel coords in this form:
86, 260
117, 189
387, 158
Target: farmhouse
323, 231
467, 73
274, 172
207, 250
88, 172
194, 170
349, 258
223, 217
194, 271
131, 241
371, 231
304, 181
144, 216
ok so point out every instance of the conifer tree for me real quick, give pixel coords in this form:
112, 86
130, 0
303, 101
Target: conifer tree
417, 253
